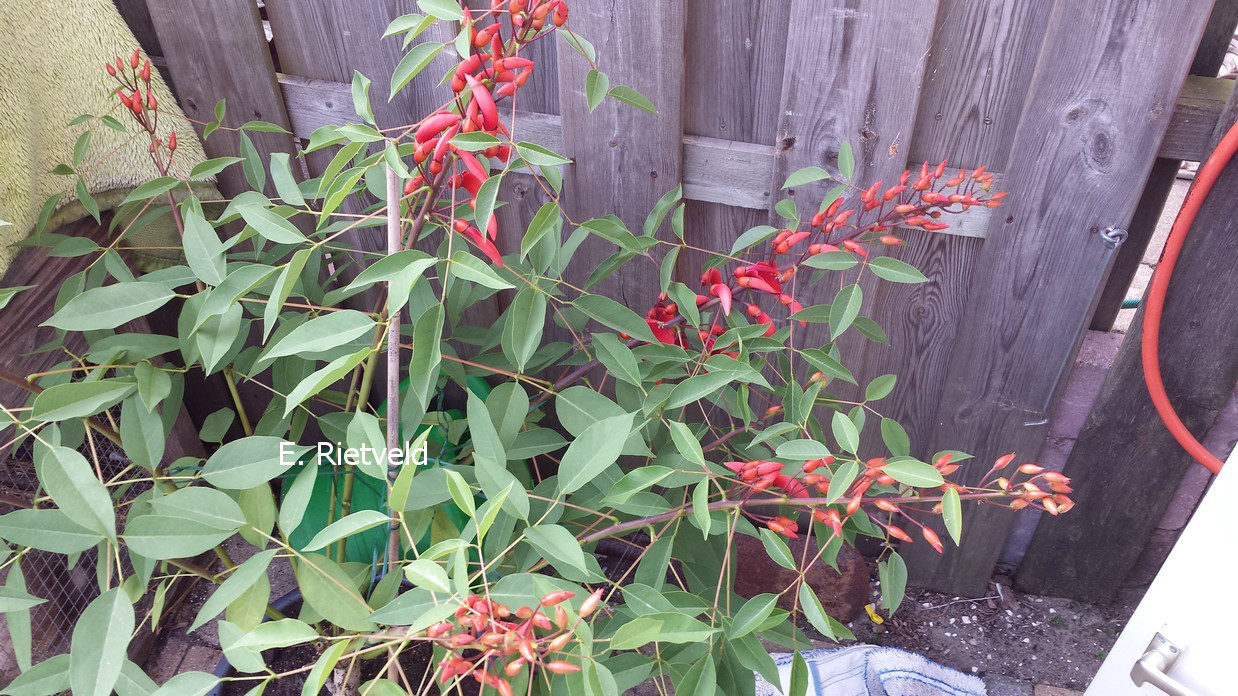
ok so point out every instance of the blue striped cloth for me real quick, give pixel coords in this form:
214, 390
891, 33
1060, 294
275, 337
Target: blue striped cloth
868, 670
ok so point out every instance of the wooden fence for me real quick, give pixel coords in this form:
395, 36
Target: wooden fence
1072, 101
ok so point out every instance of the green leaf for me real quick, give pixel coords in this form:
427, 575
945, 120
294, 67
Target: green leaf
324, 667
539, 156
631, 97
100, 638
807, 175
597, 84
323, 378
50, 676
251, 164
880, 387
281, 633
490, 461
81, 147
73, 485
283, 288
895, 271
285, 183
832, 261
468, 267
209, 168
661, 627
332, 593
475, 141
47, 530
250, 461
750, 616
15, 600
361, 96
523, 325
700, 506
79, 399
87, 200
296, 499
607, 312
895, 437
892, 573
799, 676
755, 236
355, 523
777, 549
845, 432
846, 161
952, 514
687, 444
596, 449
236, 584
460, 493
485, 201
414, 62
20, 628
696, 388
7, 294
543, 222
815, 613
407, 262
913, 472
802, 450
617, 358
110, 306
557, 545
155, 187
257, 126
700, 680
428, 574
322, 333
203, 251
448, 10
844, 309
163, 537
269, 225
427, 354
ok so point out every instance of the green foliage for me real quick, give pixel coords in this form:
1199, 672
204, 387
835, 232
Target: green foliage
552, 416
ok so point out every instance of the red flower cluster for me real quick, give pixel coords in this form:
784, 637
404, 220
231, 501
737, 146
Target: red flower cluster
919, 203
132, 77
485, 633
762, 475
491, 73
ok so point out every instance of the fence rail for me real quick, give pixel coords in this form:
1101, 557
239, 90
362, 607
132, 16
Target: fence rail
1072, 101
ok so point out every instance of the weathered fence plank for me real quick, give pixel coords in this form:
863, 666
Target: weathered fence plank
1076, 166
626, 159
970, 102
1202, 88
866, 96
735, 69
216, 51
1125, 466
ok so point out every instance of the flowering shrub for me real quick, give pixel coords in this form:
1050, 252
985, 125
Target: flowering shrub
712, 415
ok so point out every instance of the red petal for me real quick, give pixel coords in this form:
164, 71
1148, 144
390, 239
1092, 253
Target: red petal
723, 292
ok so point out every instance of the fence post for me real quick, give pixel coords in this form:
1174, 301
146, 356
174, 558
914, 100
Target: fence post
1125, 466
1083, 148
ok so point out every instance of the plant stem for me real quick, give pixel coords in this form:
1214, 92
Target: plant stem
394, 242
236, 401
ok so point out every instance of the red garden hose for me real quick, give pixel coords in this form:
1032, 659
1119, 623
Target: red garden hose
1155, 299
